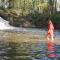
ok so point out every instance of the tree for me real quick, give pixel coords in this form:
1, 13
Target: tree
55, 5
52, 6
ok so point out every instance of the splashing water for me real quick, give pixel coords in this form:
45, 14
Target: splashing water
4, 24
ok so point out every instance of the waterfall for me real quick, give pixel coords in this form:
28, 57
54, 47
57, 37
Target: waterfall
4, 24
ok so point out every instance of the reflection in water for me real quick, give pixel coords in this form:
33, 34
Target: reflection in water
25, 51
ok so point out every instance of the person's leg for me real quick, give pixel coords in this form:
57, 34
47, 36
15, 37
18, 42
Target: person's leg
47, 38
52, 39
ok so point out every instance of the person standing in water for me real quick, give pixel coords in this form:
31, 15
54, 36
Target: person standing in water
50, 38
50, 33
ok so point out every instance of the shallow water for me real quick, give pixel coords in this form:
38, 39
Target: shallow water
26, 51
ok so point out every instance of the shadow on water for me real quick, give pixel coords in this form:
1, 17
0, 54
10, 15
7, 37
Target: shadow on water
25, 51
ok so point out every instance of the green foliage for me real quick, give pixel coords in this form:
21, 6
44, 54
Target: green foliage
56, 18
27, 5
34, 12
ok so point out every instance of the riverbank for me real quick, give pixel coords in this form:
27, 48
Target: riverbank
30, 20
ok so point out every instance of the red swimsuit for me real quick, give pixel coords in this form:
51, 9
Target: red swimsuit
50, 29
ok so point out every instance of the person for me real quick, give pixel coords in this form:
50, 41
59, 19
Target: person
50, 38
50, 33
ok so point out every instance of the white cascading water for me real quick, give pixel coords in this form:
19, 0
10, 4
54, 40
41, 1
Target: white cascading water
4, 24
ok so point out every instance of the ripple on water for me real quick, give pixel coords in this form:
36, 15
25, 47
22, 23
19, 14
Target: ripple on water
25, 51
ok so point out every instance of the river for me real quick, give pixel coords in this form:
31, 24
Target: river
25, 50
